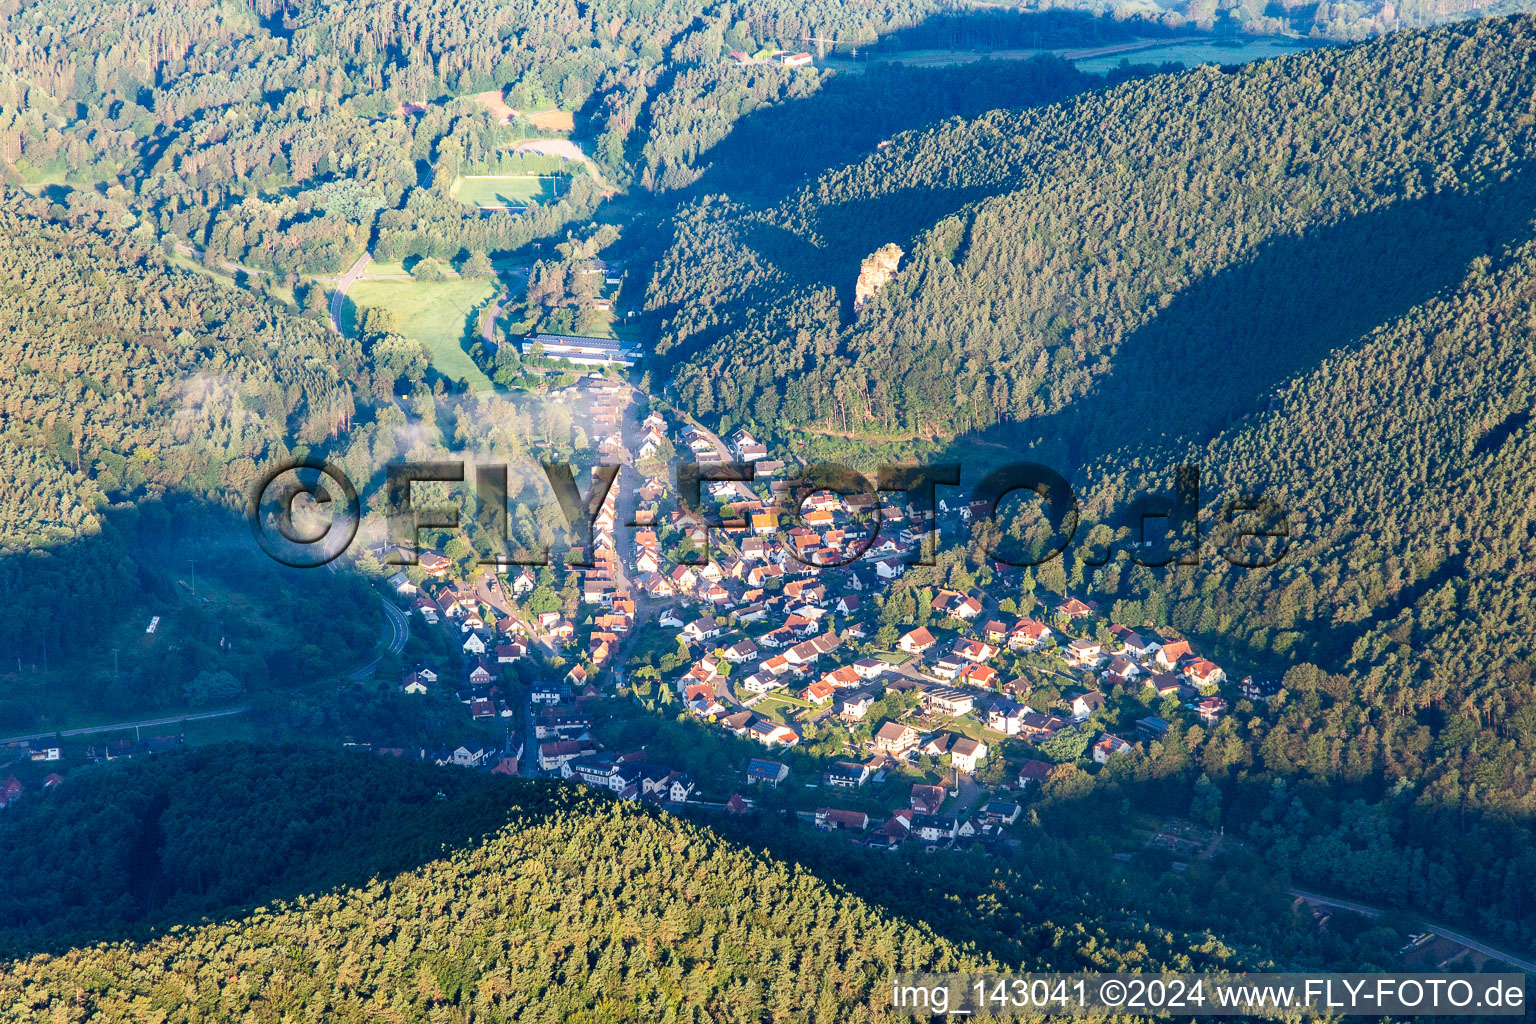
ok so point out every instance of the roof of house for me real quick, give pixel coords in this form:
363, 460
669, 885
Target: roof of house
761, 766
1035, 770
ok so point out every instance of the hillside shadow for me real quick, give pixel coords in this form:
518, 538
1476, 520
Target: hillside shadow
778, 148
208, 834
1218, 351
80, 650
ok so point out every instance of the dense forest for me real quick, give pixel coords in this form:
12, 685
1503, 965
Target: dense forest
1045, 244
1312, 279
208, 832
274, 136
144, 403
509, 884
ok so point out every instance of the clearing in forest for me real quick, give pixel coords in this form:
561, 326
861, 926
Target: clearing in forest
439, 314
499, 191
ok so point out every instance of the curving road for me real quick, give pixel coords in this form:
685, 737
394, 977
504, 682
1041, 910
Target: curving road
1369, 911
399, 632
353, 274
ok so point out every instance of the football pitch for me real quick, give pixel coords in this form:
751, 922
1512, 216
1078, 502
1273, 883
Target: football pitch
514, 190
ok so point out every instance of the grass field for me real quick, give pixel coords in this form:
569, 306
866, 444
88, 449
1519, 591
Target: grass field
1199, 51
1099, 60
552, 120
436, 313
506, 190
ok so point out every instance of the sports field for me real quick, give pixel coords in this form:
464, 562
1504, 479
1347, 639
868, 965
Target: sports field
436, 313
506, 190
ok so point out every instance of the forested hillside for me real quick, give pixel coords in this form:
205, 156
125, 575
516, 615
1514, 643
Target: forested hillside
1044, 246
510, 885
636, 916
274, 134
1405, 465
143, 403
124, 377
1313, 279
209, 832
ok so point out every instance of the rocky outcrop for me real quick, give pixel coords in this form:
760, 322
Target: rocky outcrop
878, 268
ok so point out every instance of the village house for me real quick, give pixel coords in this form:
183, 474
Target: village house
983, 676
771, 734
1169, 654
966, 754
895, 739
830, 819
761, 682
1033, 771
1035, 726
1108, 746
1086, 704
927, 799
1204, 673
555, 753
847, 774
1084, 653
955, 605
947, 667
1258, 690
948, 700
1167, 684
817, 693
853, 707
1133, 643
762, 772
870, 668
1028, 635
1122, 670
1072, 608
702, 629
1211, 709
916, 641
741, 652
1006, 716
975, 650
999, 812
933, 828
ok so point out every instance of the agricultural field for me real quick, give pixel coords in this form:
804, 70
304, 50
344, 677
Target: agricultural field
436, 313
506, 190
